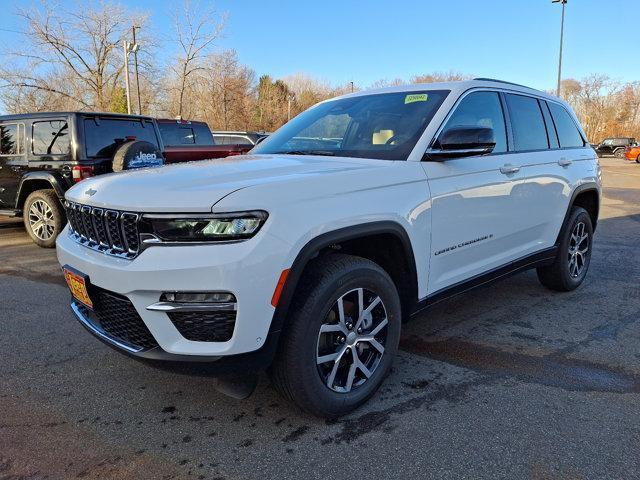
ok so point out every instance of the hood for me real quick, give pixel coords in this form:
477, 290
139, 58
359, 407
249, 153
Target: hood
196, 186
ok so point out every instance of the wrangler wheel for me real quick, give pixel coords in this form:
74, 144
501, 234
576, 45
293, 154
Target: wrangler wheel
43, 217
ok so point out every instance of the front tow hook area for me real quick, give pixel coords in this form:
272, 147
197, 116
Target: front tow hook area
238, 386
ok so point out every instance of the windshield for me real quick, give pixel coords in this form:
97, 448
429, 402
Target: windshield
380, 126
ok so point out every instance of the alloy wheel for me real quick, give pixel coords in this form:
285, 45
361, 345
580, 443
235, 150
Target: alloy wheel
578, 249
41, 220
352, 340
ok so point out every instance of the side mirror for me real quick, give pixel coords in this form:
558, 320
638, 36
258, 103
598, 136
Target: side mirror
456, 142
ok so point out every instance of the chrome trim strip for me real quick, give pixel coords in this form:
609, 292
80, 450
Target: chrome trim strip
150, 240
192, 307
99, 333
261, 214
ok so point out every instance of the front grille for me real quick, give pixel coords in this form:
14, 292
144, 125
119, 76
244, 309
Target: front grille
116, 316
204, 326
110, 231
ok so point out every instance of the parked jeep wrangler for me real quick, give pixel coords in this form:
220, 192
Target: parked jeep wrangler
305, 256
614, 146
43, 154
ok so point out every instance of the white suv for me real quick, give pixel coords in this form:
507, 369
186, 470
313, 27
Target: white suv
306, 255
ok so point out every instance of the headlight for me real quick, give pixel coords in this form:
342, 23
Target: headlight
202, 228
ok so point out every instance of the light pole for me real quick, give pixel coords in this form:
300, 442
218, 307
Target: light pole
129, 48
135, 67
563, 2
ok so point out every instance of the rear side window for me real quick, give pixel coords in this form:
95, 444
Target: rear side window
529, 132
568, 132
177, 134
481, 109
232, 140
203, 134
51, 137
103, 136
11, 139
174, 134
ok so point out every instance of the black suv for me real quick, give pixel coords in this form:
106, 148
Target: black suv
44, 154
614, 146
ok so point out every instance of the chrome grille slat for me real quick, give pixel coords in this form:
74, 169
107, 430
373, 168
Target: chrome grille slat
85, 212
108, 231
98, 227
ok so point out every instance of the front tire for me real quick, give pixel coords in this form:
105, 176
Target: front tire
342, 335
43, 217
574, 254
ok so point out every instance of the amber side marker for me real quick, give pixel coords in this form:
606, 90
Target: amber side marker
278, 291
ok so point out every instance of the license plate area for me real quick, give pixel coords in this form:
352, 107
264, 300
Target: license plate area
78, 284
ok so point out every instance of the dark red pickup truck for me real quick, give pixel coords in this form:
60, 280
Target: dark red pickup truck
186, 140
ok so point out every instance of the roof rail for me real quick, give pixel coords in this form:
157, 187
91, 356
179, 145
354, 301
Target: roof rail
503, 81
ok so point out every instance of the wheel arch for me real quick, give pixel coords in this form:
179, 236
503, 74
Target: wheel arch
586, 196
359, 240
37, 181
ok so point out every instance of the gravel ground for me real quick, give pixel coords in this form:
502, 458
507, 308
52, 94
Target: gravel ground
510, 381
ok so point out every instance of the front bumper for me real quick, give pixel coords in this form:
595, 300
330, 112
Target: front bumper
250, 270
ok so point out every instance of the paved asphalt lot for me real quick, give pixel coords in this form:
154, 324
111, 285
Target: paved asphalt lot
511, 381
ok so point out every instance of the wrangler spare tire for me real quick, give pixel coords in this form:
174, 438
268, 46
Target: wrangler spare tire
137, 154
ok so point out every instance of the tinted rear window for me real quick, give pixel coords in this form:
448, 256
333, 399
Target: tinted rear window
174, 134
11, 139
529, 132
568, 133
103, 136
51, 137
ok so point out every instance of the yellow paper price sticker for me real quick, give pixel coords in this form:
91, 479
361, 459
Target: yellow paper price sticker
416, 97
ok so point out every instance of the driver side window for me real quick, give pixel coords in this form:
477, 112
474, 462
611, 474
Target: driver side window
481, 109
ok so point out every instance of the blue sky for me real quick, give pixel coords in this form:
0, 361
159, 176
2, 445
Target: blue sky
363, 41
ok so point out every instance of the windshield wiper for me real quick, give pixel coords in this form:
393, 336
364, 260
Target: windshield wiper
326, 153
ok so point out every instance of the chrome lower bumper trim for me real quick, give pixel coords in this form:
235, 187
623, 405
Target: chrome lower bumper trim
192, 307
99, 333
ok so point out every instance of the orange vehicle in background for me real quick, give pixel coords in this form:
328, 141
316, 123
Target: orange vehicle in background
632, 153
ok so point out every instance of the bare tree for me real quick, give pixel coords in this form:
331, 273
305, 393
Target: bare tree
229, 88
69, 58
196, 30
434, 77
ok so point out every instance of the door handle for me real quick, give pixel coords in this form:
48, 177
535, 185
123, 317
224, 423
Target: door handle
564, 162
509, 169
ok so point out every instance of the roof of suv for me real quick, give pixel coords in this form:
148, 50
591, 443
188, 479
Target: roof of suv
89, 114
458, 87
178, 121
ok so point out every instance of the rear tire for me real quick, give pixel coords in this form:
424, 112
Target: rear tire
574, 254
43, 217
619, 153
319, 359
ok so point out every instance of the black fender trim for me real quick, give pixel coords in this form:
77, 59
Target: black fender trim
314, 246
586, 187
56, 183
